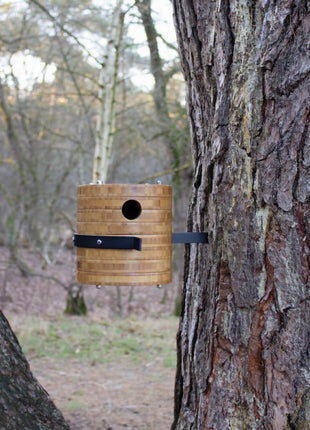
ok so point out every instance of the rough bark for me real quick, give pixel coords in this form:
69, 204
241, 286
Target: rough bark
244, 337
24, 404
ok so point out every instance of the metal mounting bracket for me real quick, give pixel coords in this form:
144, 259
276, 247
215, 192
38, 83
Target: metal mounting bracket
107, 242
132, 242
190, 237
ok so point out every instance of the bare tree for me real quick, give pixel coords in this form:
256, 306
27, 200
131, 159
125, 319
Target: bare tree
243, 342
165, 125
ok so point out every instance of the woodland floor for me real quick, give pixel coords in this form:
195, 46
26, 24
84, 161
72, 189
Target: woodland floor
93, 395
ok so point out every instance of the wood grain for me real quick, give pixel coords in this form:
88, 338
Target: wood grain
100, 213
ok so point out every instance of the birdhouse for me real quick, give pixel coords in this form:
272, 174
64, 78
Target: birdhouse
124, 234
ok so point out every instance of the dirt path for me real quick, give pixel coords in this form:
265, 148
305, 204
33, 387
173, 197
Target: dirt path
109, 397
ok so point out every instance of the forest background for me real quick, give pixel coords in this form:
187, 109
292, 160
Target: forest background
53, 57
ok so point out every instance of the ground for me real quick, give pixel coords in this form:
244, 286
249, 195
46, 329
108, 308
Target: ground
94, 395
103, 397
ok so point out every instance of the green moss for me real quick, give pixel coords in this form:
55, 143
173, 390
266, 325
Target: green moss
76, 305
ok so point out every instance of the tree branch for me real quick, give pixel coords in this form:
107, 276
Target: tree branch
65, 30
170, 45
165, 172
27, 271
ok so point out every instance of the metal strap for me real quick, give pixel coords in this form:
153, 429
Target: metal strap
132, 242
107, 242
190, 237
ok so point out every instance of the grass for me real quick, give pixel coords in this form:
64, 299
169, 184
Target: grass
73, 405
139, 341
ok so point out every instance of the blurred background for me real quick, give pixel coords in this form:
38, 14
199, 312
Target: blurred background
77, 78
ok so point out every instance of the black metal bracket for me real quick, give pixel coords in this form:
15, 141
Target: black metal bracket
132, 242
107, 242
190, 237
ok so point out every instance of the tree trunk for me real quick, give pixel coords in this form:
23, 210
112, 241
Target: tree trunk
161, 79
107, 90
244, 337
24, 404
75, 304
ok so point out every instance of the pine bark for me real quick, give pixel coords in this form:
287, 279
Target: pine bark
244, 336
24, 404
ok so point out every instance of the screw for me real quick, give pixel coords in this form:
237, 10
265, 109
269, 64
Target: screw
99, 242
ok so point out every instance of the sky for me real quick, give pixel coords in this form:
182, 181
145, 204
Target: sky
162, 15
28, 69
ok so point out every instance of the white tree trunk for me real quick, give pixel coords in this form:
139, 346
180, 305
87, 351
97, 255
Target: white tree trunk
107, 89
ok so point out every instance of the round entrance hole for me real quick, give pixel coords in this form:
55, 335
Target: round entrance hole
131, 209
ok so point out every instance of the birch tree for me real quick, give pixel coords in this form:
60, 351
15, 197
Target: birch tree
107, 91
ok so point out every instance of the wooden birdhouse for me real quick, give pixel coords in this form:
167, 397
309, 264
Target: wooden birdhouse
124, 234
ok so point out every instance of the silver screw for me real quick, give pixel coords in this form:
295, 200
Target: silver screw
99, 242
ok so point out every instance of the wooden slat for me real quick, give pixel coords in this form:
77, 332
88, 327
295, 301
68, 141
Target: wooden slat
110, 215
129, 191
127, 279
117, 203
158, 253
152, 241
110, 267
132, 228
